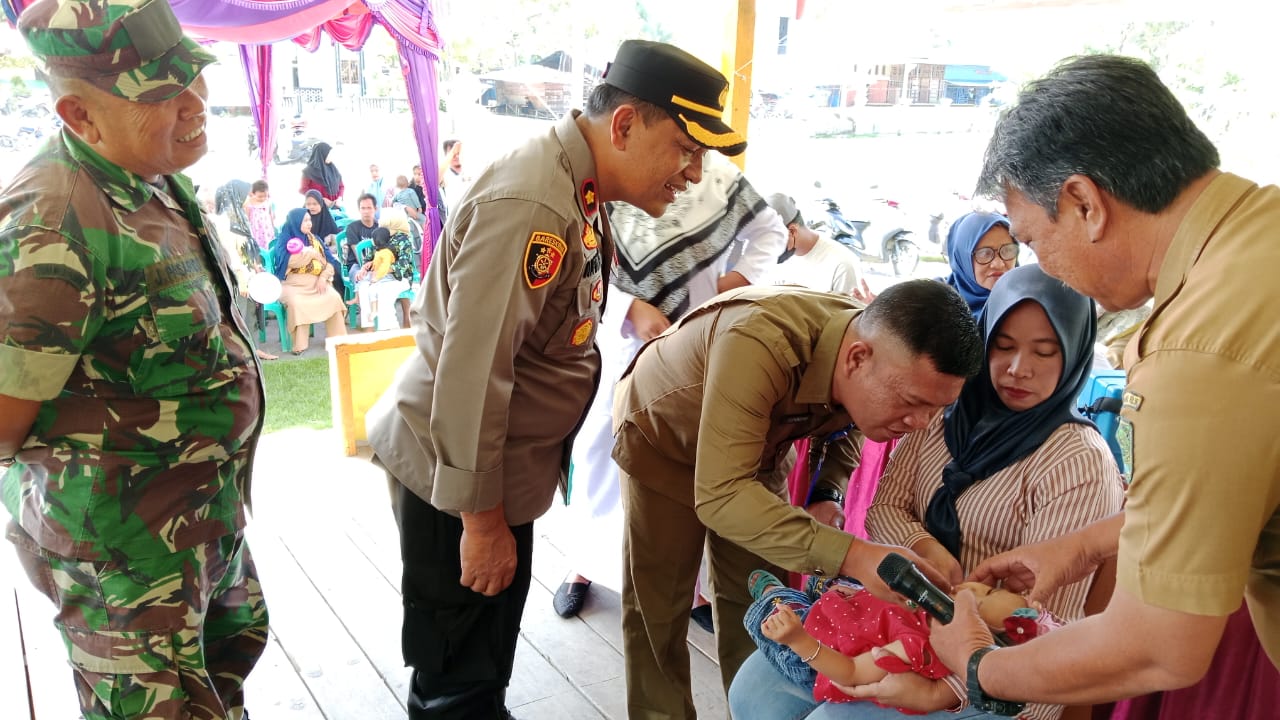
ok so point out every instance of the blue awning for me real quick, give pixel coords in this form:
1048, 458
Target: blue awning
971, 75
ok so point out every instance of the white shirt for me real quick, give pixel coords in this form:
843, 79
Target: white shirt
828, 267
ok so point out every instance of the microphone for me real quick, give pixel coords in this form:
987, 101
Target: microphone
905, 578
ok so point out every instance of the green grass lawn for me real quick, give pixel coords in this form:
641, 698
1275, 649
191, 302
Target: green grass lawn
297, 394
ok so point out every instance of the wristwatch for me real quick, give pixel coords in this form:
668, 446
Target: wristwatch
978, 699
822, 493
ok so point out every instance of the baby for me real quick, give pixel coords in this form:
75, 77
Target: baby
828, 642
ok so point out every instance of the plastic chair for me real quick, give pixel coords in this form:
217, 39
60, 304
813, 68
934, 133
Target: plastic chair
1100, 401
364, 253
349, 290
276, 308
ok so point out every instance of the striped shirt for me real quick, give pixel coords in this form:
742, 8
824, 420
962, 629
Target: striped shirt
1069, 482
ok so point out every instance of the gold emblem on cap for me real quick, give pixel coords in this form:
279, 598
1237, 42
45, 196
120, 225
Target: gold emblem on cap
724, 96
685, 103
708, 138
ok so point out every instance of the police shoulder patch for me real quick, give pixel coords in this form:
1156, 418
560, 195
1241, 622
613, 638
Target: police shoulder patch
582, 332
543, 257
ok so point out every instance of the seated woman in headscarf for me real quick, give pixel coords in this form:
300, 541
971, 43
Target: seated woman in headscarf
322, 223
306, 272
980, 250
1011, 462
321, 175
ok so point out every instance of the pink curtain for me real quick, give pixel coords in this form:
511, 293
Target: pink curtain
862, 484
257, 69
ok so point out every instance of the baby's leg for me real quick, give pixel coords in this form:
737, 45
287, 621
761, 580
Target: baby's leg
780, 656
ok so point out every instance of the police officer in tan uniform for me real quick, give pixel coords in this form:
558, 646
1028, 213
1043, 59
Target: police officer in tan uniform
703, 417
476, 430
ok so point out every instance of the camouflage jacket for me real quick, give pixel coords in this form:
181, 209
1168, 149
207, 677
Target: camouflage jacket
116, 314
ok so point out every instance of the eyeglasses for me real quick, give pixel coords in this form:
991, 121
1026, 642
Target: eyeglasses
984, 255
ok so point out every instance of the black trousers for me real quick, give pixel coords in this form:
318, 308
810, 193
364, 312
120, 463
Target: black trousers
460, 644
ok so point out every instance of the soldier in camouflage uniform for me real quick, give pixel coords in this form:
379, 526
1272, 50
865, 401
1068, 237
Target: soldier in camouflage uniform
130, 397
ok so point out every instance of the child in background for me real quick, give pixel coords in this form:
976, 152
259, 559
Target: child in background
262, 214
378, 282
384, 256
406, 198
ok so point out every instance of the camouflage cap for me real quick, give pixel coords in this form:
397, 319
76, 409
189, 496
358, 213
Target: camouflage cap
131, 48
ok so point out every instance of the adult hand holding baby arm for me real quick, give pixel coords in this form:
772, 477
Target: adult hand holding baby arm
905, 690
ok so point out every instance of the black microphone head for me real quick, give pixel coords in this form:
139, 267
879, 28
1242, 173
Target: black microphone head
904, 578
892, 567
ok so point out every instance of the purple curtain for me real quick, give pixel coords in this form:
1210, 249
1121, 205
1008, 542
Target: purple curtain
258, 22
257, 70
420, 81
255, 24
12, 8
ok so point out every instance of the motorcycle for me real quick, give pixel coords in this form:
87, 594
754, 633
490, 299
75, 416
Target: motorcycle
894, 246
292, 146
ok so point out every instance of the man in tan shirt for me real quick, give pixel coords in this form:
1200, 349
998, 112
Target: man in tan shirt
475, 433
1119, 194
702, 418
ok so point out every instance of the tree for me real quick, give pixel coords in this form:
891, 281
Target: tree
1189, 58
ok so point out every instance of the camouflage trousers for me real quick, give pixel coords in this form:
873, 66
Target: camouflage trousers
163, 638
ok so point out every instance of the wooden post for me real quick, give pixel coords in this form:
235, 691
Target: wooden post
736, 65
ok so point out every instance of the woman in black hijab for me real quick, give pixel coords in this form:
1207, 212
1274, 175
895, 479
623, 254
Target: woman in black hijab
321, 175
1039, 341
324, 227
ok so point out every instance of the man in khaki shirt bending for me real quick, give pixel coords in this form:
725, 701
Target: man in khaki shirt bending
703, 416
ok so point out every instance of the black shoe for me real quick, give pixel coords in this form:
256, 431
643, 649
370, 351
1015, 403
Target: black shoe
570, 598
702, 616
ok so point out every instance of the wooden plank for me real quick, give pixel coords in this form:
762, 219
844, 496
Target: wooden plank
534, 679
53, 695
274, 685
609, 697
570, 705
383, 554
571, 646
334, 668
367, 606
602, 614
15, 700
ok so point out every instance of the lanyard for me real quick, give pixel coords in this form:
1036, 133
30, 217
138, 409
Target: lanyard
822, 457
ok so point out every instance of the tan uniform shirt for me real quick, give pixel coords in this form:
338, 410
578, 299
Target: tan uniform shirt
1202, 406
506, 322
708, 408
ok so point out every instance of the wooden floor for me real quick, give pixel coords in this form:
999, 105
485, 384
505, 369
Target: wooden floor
326, 549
